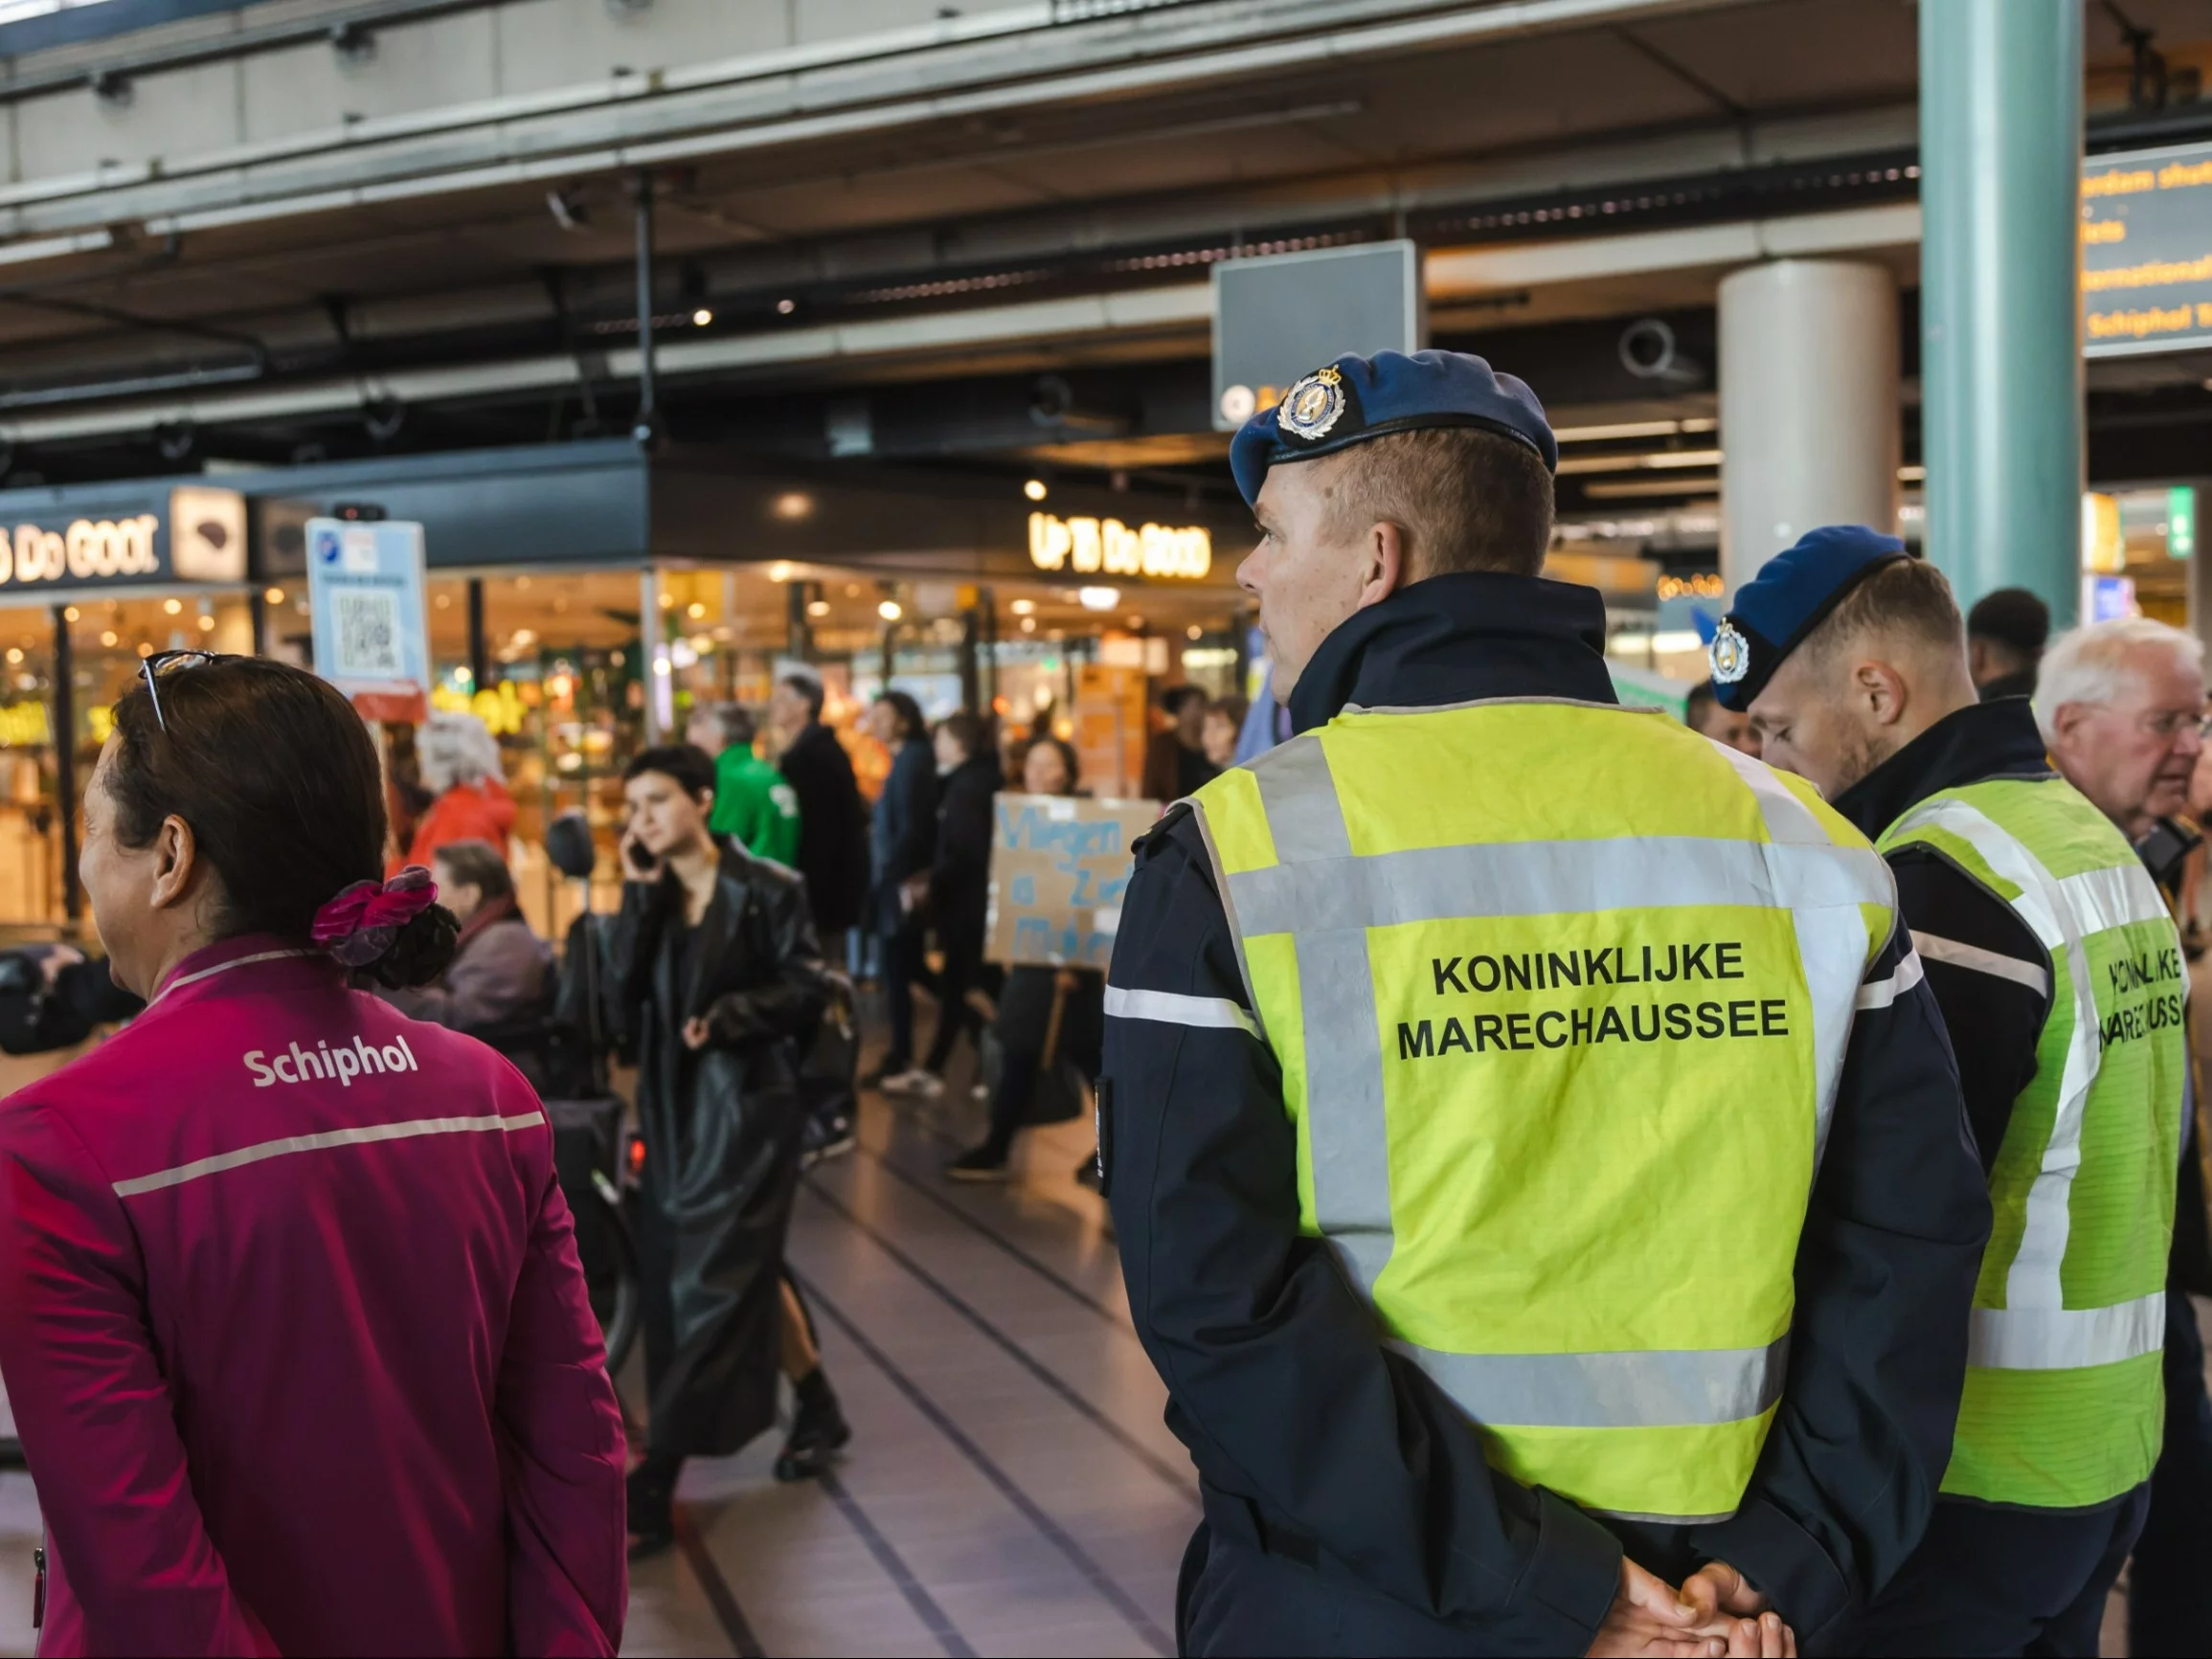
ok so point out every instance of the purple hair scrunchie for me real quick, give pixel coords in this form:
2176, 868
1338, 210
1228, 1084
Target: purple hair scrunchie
359, 925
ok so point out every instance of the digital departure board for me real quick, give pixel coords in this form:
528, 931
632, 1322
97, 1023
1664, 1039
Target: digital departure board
2147, 251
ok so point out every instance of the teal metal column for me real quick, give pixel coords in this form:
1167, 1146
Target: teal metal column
2000, 158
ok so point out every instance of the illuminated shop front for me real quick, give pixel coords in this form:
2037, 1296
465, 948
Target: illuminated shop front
92, 581
584, 599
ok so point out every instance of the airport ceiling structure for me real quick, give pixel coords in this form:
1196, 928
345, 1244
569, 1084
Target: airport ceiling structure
975, 235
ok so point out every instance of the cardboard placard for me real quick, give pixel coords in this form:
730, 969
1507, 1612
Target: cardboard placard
1059, 866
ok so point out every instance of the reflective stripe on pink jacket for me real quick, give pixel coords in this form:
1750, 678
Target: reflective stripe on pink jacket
292, 1324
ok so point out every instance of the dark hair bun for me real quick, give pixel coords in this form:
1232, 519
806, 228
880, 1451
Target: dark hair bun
420, 951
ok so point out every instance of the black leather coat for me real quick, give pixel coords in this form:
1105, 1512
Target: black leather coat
721, 1126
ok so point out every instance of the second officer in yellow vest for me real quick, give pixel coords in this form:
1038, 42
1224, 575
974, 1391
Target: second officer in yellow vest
1540, 1171
2061, 978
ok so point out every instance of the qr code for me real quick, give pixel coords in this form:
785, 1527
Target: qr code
368, 637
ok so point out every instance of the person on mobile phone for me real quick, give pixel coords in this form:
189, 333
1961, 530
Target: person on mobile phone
716, 974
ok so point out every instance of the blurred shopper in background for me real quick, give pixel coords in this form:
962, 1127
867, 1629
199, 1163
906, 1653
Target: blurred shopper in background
1045, 1015
460, 763
716, 975
1175, 762
902, 845
2019, 892
832, 817
52, 997
290, 1314
2121, 705
1707, 718
501, 970
1265, 723
2006, 633
751, 800
1224, 724
960, 890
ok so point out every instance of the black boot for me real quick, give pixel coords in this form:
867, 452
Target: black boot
818, 1429
652, 1503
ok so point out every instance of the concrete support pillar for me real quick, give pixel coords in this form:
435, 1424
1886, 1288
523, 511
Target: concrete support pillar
1809, 405
2001, 156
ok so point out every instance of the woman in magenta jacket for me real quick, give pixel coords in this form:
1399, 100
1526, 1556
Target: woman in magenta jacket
291, 1315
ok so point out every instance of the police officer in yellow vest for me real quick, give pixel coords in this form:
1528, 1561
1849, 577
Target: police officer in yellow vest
1540, 1171
2060, 979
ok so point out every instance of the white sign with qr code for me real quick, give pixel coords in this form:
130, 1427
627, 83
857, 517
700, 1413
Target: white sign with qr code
367, 636
364, 583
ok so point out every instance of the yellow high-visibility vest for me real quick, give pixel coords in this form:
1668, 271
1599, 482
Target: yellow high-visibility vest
1560, 993
2064, 1403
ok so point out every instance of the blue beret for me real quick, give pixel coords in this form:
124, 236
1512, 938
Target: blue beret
1355, 398
1791, 596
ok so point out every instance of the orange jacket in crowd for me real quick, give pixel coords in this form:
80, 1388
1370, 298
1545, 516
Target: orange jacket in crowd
467, 812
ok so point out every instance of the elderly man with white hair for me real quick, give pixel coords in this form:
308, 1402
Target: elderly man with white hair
2122, 706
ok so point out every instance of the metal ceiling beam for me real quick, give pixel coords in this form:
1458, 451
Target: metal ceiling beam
1000, 62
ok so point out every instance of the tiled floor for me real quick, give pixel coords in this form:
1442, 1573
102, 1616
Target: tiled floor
1010, 1489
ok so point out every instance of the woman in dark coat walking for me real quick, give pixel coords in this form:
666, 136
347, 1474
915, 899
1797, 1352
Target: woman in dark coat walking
903, 842
716, 971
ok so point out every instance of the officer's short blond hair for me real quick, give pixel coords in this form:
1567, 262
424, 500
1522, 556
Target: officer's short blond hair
1907, 604
1463, 498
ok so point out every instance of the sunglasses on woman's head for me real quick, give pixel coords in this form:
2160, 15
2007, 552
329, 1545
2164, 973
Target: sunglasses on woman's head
161, 663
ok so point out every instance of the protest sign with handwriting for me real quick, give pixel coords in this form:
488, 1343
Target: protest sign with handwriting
1059, 865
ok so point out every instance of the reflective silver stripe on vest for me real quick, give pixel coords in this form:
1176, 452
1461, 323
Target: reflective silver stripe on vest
1549, 878
2065, 1339
1629, 1390
2061, 915
1343, 1046
1831, 940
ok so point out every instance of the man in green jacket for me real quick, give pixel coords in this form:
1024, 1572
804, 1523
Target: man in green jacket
752, 801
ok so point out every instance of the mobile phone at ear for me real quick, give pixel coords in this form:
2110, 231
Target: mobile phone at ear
640, 860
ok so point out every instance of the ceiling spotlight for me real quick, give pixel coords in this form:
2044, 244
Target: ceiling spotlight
173, 607
276, 596
107, 637
784, 307
1024, 607
1028, 624
1035, 489
702, 317
1098, 599
207, 623
70, 613
780, 570
888, 610
818, 608
696, 609
1194, 632
792, 505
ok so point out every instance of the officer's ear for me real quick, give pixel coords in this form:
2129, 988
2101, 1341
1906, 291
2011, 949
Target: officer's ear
1881, 690
1384, 568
